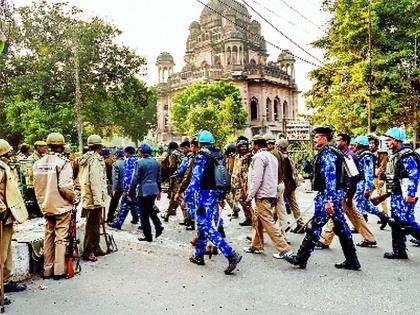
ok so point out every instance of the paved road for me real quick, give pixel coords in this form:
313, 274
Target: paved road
157, 278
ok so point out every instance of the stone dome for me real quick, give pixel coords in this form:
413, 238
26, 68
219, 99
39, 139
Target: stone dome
286, 55
223, 7
165, 57
195, 26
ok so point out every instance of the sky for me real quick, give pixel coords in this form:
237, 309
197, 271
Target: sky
153, 26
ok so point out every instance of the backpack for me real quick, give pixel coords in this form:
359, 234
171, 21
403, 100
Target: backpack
221, 174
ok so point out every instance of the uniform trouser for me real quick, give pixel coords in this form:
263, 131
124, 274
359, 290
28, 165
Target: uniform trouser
321, 217
126, 206
148, 212
263, 220
231, 200
291, 197
240, 198
364, 204
7, 252
379, 189
55, 244
206, 215
173, 204
356, 219
280, 209
403, 213
113, 204
92, 234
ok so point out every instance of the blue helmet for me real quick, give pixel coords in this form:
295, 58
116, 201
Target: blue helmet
396, 133
205, 136
119, 152
362, 140
105, 152
145, 148
353, 141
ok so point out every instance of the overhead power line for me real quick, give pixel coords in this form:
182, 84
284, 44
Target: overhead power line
300, 14
281, 33
254, 34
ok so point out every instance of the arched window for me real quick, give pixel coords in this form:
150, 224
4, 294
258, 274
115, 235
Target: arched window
268, 110
253, 62
276, 109
229, 56
235, 55
285, 110
254, 108
204, 64
165, 107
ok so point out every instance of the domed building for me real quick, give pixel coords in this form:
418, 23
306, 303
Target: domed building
218, 49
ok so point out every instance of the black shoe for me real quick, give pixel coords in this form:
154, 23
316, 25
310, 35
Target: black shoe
366, 243
247, 222
354, 231
144, 239
366, 217
349, 266
384, 220
59, 277
134, 221
140, 227
198, 260
234, 260
159, 231
7, 300
396, 255
190, 227
295, 260
321, 245
114, 226
14, 287
183, 223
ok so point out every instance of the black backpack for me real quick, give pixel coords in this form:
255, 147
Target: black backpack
221, 174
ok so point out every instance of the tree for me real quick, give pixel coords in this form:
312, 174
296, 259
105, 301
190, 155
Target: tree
216, 107
339, 93
39, 69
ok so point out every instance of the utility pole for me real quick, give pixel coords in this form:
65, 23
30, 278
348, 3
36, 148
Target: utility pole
415, 101
370, 83
77, 95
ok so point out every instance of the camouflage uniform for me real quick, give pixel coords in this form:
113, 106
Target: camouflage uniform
380, 167
174, 159
240, 180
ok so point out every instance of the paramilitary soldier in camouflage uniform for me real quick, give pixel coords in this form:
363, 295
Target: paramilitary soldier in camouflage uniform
94, 190
230, 152
12, 208
402, 183
239, 178
174, 160
53, 182
39, 152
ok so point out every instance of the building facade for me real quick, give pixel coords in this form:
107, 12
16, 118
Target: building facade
231, 48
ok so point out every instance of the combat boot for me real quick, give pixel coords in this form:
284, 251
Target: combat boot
234, 259
247, 222
399, 250
303, 254
349, 250
221, 231
198, 260
384, 220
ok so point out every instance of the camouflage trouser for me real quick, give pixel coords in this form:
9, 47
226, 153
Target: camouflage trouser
207, 214
364, 204
239, 199
232, 201
173, 204
125, 206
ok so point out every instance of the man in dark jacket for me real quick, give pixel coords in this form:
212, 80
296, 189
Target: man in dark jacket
117, 184
146, 181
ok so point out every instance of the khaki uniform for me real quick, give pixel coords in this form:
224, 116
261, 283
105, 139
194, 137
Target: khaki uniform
109, 162
35, 156
239, 181
94, 190
53, 183
280, 209
174, 159
12, 206
230, 197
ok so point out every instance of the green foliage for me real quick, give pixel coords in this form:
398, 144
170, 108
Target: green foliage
216, 107
338, 95
38, 71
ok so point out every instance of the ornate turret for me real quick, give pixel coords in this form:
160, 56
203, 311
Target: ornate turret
165, 63
286, 62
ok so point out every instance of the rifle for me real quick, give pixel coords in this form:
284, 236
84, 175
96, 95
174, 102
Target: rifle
1, 268
378, 199
111, 246
296, 221
72, 253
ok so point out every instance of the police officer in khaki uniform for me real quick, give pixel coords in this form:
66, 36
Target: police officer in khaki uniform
12, 208
54, 190
40, 148
94, 190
